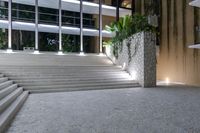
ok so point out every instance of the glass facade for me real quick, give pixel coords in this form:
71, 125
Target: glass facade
47, 41
50, 16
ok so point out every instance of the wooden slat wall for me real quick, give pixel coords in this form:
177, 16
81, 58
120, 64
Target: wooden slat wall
176, 61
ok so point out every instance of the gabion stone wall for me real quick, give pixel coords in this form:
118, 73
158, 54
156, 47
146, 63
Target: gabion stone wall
137, 55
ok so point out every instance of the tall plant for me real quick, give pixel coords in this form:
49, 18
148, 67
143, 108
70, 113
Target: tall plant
127, 26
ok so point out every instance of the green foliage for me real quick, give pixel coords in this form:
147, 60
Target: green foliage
69, 44
127, 26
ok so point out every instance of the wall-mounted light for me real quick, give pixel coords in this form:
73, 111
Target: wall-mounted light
9, 51
36, 52
167, 81
124, 66
133, 75
60, 53
81, 54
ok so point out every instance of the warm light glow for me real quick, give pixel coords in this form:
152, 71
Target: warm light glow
9, 51
108, 51
114, 60
133, 75
167, 80
36, 52
60, 53
124, 66
82, 54
101, 54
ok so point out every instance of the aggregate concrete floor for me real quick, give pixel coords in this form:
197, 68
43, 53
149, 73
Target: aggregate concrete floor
137, 110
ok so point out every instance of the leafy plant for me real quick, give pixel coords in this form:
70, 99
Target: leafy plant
69, 44
126, 27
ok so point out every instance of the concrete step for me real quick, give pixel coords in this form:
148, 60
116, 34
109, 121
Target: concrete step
103, 86
61, 72
7, 116
5, 84
6, 101
66, 78
56, 67
69, 77
3, 79
97, 82
1, 75
68, 74
53, 89
71, 80
8, 90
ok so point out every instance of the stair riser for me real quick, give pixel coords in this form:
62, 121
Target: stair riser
1, 75
3, 80
68, 76
49, 90
6, 103
74, 83
71, 80
78, 86
11, 111
5, 84
65, 73
44, 81
7, 91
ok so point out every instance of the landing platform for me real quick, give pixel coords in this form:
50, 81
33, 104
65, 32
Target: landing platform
136, 110
21, 58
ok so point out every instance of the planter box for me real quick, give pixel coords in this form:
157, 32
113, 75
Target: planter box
137, 55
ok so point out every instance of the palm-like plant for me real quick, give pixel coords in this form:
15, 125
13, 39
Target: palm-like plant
127, 26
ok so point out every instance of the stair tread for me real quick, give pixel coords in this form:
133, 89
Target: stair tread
1, 75
5, 84
77, 89
9, 113
3, 79
10, 98
7, 90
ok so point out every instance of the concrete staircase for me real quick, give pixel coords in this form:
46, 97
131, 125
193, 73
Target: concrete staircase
52, 73
25, 73
12, 98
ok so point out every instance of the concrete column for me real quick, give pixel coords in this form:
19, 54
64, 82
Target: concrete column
9, 26
60, 27
81, 27
36, 27
100, 27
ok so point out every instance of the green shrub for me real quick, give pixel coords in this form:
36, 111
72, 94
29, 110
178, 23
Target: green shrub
127, 26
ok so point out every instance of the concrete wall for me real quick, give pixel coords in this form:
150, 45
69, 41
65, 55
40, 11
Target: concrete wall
176, 61
137, 55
